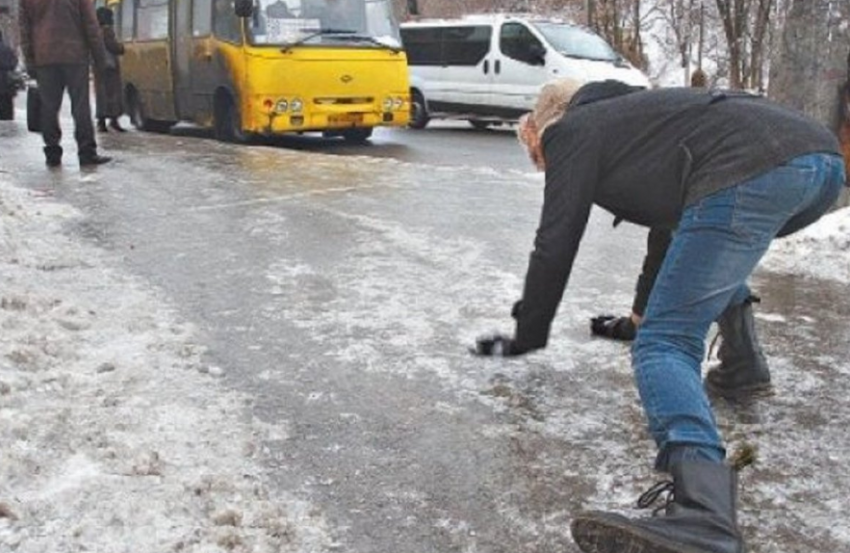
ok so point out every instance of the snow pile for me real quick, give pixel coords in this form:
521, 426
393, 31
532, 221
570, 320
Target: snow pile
114, 435
821, 250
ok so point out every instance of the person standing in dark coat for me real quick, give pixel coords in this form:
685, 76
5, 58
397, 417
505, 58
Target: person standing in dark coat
730, 172
107, 83
58, 38
8, 84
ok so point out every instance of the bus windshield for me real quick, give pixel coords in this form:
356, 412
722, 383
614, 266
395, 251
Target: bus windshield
575, 42
357, 23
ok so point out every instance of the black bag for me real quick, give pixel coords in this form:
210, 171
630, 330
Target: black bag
33, 109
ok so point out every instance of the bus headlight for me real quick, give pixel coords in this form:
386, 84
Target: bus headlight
388, 103
398, 103
297, 105
281, 106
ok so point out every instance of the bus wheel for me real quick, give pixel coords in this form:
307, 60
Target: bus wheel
228, 124
136, 111
418, 111
357, 136
479, 125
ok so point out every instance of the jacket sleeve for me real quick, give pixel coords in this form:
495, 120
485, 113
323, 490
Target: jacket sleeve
657, 242
91, 28
571, 176
110, 41
25, 31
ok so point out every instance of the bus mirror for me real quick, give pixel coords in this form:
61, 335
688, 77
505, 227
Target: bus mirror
243, 8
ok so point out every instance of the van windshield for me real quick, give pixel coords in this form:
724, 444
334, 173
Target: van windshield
323, 22
576, 42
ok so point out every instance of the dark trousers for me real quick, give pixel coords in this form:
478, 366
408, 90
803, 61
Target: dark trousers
53, 80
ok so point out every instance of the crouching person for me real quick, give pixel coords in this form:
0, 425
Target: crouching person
730, 172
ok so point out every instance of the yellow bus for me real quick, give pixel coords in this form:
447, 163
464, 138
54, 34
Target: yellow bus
248, 68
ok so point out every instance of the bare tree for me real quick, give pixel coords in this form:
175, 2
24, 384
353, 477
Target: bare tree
682, 17
745, 24
619, 22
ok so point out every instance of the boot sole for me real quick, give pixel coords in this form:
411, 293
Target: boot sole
756, 391
593, 535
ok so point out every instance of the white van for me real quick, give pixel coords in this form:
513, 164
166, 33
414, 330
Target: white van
488, 69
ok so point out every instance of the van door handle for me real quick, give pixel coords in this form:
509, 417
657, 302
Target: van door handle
486, 66
497, 67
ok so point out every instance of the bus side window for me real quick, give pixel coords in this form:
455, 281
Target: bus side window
225, 24
201, 17
153, 20
127, 19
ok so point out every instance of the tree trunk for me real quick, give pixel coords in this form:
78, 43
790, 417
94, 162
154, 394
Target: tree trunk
811, 66
811, 63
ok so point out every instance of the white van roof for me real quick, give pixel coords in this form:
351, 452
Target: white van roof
487, 18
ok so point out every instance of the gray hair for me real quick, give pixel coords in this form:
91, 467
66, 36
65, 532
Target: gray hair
552, 102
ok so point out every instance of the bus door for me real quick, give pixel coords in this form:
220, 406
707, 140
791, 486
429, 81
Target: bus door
181, 55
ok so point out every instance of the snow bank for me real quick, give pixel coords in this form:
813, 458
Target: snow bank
821, 250
114, 435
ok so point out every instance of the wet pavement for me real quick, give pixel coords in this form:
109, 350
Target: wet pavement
340, 288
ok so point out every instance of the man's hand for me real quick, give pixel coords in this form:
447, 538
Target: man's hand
615, 328
496, 345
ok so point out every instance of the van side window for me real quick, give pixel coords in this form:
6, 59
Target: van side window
517, 42
466, 45
423, 45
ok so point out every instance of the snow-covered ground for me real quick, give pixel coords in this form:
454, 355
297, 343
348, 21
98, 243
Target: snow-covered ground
819, 251
114, 436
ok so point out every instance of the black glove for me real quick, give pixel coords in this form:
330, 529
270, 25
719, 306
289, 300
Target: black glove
496, 345
615, 328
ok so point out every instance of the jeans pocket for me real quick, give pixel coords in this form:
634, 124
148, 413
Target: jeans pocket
765, 203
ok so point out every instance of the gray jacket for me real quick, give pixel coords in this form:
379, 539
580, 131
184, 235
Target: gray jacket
644, 157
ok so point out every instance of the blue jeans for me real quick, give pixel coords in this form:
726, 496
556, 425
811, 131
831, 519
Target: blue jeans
718, 243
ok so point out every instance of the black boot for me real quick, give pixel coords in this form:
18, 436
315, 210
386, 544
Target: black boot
743, 369
53, 156
94, 159
699, 517
101, 125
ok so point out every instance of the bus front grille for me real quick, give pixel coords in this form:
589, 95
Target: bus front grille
344, 101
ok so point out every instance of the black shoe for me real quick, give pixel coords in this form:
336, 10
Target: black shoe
101, 125
53, 161
94, 160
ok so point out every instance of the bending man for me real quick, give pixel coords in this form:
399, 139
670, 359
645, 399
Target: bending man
730, 172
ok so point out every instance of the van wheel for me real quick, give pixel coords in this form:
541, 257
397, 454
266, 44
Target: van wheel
228, 123
418, 112
479, 125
